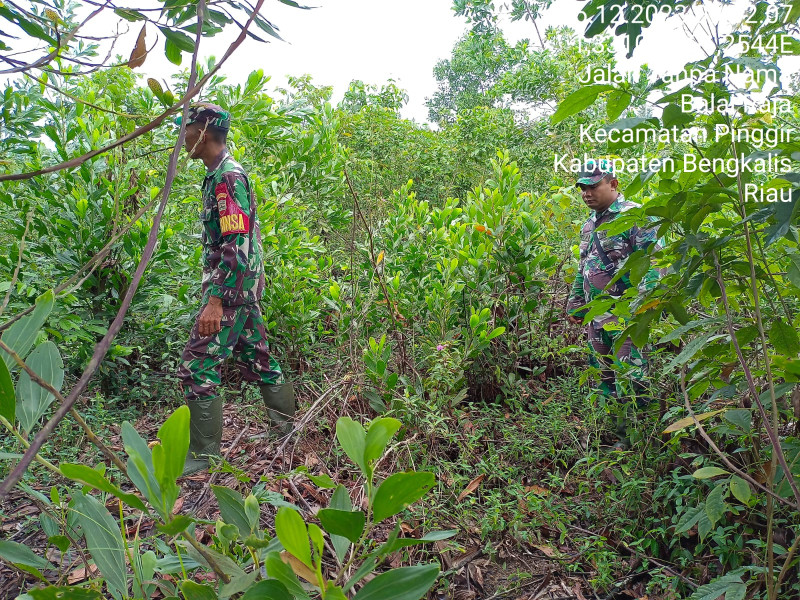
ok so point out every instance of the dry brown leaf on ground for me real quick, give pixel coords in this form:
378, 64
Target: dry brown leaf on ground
473, 485
546, 550
79, 575
537, 489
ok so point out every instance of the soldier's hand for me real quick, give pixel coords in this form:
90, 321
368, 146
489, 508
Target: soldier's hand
211, 318
574, 319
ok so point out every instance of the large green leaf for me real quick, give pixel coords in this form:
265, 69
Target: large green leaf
7, 400
267, 590
21, 336
617, 102
18, 554
352, 439
731, 585
740, 489
406, 583
197, 591
578, 100
348, 524
433, 536
231, 507
280, 571
398, 491
378, 436
33, 399
140, 468
692, 348
170, 455
89, 476
65, 593
784, 338
291, 531
689, 518
340, 500
104, 540
715, 503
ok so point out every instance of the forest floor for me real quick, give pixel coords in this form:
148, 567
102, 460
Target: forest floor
507, 481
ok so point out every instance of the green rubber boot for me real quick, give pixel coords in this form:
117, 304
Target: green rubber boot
279, 400
205, 434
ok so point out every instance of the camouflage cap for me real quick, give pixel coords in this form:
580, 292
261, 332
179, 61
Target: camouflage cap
594, 170
205, 112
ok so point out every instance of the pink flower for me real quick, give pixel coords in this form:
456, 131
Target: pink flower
440, 347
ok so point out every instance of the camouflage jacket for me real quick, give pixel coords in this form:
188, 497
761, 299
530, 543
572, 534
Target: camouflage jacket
232, 266
593, 275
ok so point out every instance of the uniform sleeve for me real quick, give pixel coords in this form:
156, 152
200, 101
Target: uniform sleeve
233, 202
642, 239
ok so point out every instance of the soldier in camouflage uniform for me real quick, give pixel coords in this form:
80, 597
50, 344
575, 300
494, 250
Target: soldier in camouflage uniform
230, 323
596, 268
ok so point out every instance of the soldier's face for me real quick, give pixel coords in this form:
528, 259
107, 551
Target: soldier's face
601, 195
194, 141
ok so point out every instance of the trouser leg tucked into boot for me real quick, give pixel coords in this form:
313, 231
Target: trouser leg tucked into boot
279, 400
205, 433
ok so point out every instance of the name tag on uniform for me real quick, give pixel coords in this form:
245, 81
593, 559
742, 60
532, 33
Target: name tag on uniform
231, 217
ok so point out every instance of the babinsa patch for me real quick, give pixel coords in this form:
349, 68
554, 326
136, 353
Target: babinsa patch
221, 192
231, 217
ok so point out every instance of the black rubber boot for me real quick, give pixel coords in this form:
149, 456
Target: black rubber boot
279, 400
205, 434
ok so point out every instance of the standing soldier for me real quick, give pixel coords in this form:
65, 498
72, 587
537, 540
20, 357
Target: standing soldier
230, 322
600, 256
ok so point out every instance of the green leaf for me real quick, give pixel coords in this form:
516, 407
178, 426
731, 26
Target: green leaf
267, 590
398, 491
708, 472
291, 531
173, 53
692, 348
104, 540
8, 403
33, 399
18, 554
378, 436
197, 591
65, 593
253, 511
323, 481
406, 583
433, 536
740, 489
616, 103
280, 571
730, 584
238, 583
231, 507
180, 39
170, 455
579, 100
352, 439
348, 524
715, 503
97, 480
176, 525
689, 519
340, 500
784, 338
21, 336
140, 468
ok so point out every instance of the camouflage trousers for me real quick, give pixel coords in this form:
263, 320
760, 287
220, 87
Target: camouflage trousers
242, 337
629, 380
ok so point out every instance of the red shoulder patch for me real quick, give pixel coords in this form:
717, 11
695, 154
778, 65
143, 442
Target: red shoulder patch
231, 218
221, 193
